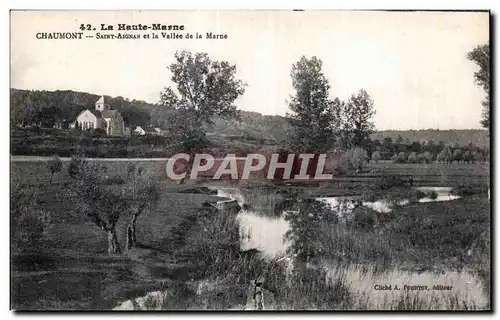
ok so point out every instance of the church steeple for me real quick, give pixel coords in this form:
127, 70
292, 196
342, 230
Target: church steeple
101, 105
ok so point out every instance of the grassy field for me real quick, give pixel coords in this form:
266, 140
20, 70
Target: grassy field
180, 243
71, 269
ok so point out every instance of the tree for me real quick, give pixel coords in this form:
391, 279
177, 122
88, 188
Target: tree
445, 155
142, 193
395, 158
105, 200
304, 236
203, 88
480, 55
376, 156
55, 165
429, 157
457, 155
339, 125
359, 112
402, 157
101, 204
416, 146
312, 116
387, 144
400, 139
413, 158
355, 159
468, 156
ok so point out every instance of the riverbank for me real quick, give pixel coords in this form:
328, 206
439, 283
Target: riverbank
184, 242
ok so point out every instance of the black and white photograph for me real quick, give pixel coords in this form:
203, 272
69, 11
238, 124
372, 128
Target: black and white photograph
250, 160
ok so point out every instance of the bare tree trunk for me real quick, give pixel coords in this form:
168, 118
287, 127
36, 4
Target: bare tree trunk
113, 244
51, 175
131, 240
131, 236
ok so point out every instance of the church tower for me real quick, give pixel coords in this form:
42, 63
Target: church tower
101, 105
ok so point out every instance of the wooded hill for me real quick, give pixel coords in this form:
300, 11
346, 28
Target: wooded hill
51, 107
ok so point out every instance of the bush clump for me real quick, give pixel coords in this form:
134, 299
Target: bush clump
29, 223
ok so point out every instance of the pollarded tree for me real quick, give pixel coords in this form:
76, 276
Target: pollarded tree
359, 112
481, 56
311, 118
104, 200
102, 204
203, 88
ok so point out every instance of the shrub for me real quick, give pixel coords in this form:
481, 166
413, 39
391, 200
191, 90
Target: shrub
74, 166
130, 169
445, 155
364, 218
402, 157
415, 195
395, 158
457, 155
354, 159
423, 158
432, 195
55, 165
412, 158
465, 191
304, 234
376, 156
388, 182
114, 180
29, 223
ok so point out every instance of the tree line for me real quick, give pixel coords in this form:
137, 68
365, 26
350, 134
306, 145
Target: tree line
401, 151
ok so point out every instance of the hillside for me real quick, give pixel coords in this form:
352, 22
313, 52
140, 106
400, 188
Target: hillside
462, 137
65, 105
253, 127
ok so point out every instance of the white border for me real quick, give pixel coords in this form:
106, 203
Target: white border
187, 4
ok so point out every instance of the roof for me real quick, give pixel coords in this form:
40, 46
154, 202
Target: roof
96, 113
109, 113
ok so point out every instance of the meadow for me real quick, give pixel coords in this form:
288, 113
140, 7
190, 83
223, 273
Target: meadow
183, 244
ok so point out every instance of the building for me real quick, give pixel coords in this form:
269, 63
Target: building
139, 131
102, 117
147, 130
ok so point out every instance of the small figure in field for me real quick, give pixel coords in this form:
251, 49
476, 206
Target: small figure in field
411, 181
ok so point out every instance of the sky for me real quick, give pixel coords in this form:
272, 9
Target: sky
413, 64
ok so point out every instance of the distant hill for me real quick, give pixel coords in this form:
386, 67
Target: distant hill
253, 127
66, 105
462, 137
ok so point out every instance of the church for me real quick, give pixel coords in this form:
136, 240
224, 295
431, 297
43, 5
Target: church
103, 117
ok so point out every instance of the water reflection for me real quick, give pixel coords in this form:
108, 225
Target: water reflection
262, 218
